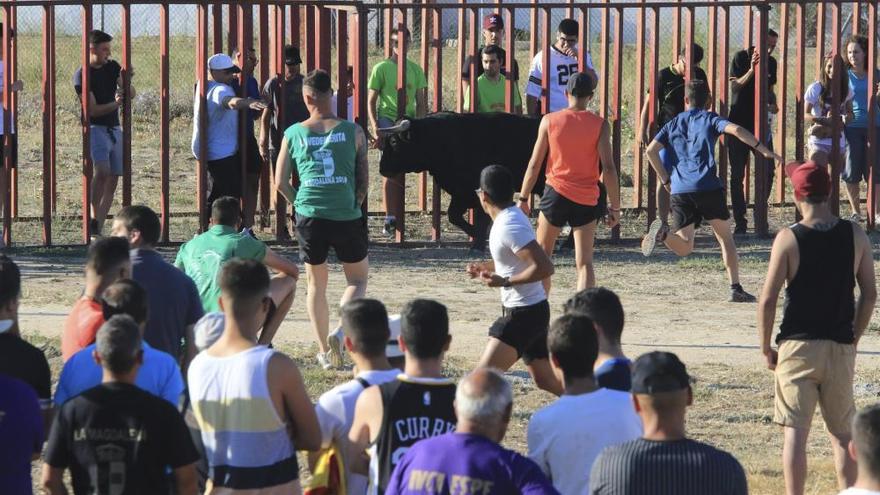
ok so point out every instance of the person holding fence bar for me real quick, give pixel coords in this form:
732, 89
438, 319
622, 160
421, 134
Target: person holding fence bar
106, 96
491, 85
224, 162
856, 130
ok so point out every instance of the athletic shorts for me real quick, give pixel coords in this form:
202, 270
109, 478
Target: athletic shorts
856, 168
810, 372
106, 146
693, 208
13, 146
317, 235
525, 329
224, 178
559, 210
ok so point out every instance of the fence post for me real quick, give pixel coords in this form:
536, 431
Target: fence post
639, 97
782, 103
12, 63
652, 109
86, 132
616, 103
762, 185
437, 47
424, 31
398, 206
202, 78
872, 110
5, 184
265, 182
48, 93
322, 40
837, 98
126, 108
165, 111
724, 38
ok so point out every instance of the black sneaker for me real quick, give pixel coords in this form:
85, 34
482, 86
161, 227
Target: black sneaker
741, 228
93, 227
389, 227
739, 295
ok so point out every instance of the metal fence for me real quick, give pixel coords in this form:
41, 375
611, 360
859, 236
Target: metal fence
168, 43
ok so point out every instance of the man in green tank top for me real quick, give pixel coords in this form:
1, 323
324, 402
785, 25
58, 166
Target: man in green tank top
330, 156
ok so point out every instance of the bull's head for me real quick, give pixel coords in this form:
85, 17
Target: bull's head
400, 152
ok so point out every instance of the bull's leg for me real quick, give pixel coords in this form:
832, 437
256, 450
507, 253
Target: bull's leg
481, 230
456, 212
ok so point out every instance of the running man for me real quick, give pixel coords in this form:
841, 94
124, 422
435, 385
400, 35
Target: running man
330, 156
697, 193
518, 266
573, 140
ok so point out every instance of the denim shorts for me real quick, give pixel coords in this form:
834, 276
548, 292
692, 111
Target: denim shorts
856, 168
106, 146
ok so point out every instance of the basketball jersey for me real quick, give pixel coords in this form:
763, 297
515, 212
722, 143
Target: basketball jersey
562, 67
412, 409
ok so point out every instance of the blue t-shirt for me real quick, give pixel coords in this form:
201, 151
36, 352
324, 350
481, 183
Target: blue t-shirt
465, 463
689, 139
159, 375
859, 88
172, 298
21, 435
615, 373
253, 91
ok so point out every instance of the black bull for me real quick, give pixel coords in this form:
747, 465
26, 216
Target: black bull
454, 148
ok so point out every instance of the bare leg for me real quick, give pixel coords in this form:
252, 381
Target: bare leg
392, 196
682, 241
583, 255
543, 375
110, 183
498, 355
316, 302
251, 189
662, 203
100, 173
547, 234
794, 459
728, 248
845, 466
852, 194
282, 289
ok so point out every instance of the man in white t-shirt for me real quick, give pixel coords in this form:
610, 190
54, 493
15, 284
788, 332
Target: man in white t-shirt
518, 266
563, 64
865, 450
367, 331
224, 163
566, 437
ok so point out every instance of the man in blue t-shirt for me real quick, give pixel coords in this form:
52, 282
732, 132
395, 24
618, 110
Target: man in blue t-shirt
471, 460
696, 191
21, 434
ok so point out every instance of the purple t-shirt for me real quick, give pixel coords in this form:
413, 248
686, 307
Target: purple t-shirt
465, 463
21, 434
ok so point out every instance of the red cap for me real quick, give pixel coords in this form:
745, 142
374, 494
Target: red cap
808, 179
493, 21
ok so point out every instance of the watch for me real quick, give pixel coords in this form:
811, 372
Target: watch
507, 283
522, 198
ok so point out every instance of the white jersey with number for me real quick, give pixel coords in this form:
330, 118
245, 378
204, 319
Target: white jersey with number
562, 67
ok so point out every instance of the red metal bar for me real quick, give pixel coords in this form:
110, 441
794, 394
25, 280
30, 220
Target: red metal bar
400, 207
688, 43
425, 29
126, 108
473, 48
546, 73
872, 110
761, 164
856, 17
653, 69
389, 26
583, 39
510, 57
606, 34
570, 11
265, 181
295, 27
84, 102
801, 41
7, 122
165, 116
676, 30
309, 37
322, 41
12, 62
244, 34
639, 97
217, 18
616, 101
836, 162
437, 52
202, 78
460, 58
748, 28
48, 93
820, 38
721, 94
533, 28
278, 42
781, 91
712, 63
232, 33
342, 65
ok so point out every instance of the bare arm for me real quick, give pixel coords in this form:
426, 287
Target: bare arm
186, 480
533, 106
283, 171
865, 280
96, 110
809, 118
609, 174
236, 103
736, 83
265, 123
280, 264
372, 110
539, 265
653, 155
539, 152
304, 427
643, 122
748, 138
777, 273
368, 410
53, 480
361, 168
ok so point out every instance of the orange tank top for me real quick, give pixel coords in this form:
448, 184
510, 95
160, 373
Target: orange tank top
573, 160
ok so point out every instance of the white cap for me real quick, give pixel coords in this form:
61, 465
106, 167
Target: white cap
392, 350
208, 329
222, 61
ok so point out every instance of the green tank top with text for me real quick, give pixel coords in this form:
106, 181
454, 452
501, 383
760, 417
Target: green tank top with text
325, 163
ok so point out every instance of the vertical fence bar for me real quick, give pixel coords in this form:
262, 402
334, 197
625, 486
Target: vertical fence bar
165, 112
244, 31
583, 40
7, 122
295, 27
342, 64
837, 98
510, 58
309, 37
721, 94
48, 93
84, 106
781, 92
217, 22
232, 31
546, 41
202, 78
801, 41
676, 30
748, 27
12, 63
460, 57
425, 30
437, 53
399, 206
473, 47
265, 181
653, 68
761, 164
322, 41
604, 55
856, 18
820, 37
616, 102
639, 97
712, 62
388, 27
533, 29
278, 42
126, 109
688, 42
872, 110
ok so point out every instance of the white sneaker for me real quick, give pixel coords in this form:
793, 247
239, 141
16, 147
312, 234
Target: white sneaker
335, 355
323, 361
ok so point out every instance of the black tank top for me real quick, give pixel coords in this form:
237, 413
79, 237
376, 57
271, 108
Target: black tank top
413, 410
819, 302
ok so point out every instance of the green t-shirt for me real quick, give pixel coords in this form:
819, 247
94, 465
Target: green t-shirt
325, 164
202, 257
383, 79
490, 95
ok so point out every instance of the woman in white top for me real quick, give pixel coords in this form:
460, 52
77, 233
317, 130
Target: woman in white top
817, 110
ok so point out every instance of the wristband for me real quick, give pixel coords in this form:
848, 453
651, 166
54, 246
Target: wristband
507, 283
522, 199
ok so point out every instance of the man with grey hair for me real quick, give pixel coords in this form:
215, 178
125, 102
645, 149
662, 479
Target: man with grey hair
117, 438
471, 459
864, 448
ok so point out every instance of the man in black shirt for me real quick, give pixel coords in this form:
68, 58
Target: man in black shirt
294, 110
106, 97
742, 112
820, 260
18, 358
116, 438
664, 460
670, 102
493, 34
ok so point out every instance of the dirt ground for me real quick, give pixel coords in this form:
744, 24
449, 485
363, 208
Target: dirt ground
671, 304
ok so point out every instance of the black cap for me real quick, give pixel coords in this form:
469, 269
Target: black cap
657, 372
580, 85
291, 55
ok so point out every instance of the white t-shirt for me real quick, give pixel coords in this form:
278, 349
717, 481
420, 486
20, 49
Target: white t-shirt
511, 232
11, 122
349, 105
563, 67
812, 97
335, 410
858, 491
222, 123
566, 437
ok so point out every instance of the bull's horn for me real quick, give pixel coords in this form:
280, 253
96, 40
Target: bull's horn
401, 127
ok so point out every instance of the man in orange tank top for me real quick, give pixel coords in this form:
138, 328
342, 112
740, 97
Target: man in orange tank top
574, 141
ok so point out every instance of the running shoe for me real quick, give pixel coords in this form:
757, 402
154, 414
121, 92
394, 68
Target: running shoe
335, 354
739, 295
855, 218
656, 233
389, 227
323, 362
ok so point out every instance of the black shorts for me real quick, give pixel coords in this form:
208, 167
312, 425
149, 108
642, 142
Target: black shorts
525, 329
224, 178
559, 210
317, 235
13, 146
692, 208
